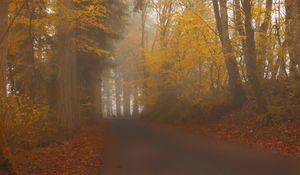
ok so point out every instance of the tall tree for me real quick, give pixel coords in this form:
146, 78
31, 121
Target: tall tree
142, 6
118, 91
126, 101
4, 162
67, 96
135, 102
293, 34
262, 44
251, 58
98, 98
235, 86
3, 45
107, 103
29, 67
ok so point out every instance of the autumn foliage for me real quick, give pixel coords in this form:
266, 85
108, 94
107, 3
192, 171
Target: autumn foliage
66, 64
80, 155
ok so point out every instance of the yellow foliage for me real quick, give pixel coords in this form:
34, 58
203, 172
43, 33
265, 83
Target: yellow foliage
184, 55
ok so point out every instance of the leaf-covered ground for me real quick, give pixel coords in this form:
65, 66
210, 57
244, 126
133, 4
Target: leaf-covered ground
282, 138
79, 155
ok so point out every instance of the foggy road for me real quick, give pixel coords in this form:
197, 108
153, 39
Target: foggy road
137, 148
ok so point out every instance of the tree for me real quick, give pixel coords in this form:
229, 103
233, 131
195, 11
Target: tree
251, 58
142, 5
3, 46
292, 8
29, 63
263, 44
235, 86
5, 163
135, 102
126, 100
118, 91
67, 102
108, 93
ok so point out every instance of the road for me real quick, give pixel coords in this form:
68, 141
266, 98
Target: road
137, 148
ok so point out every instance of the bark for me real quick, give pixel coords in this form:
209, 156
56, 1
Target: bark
250, 58
143, 17
126, 102
98, 99
239, 25
135, 105
239, 20
293, 34
3, 46
108, 93
279, 70
29, 67
262, 42
67, 95
235, 87
5, 162
118, 92
143, 41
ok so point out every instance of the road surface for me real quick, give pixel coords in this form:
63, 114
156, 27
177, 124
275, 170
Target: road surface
137, 148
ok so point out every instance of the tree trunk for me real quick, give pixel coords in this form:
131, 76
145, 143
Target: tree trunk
3, 46
29, 67
263, 40
293, 34
143, 43
126, 102
250, 58
67, 98
5, 163
235, 87
108, 96
118, 92
135, 105
98, 99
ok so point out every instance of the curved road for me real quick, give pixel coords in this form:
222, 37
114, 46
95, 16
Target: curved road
138, 148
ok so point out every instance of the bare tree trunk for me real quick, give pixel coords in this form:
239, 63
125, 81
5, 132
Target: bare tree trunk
143, 41
5, 163
143, 17
67, 100
292, 34
98, 97
118, 92
279, 70
135, 105
3, 46
262, 42
126, 101
29, 67
235, 87
107, 94
250, 58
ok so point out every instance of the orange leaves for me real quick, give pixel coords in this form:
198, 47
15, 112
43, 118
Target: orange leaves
22, 121
80, 155
6, 151
282, 138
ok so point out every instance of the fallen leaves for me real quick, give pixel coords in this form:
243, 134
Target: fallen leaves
80, 155
283, 138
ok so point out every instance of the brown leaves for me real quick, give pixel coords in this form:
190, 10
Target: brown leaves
80, 155
283, 138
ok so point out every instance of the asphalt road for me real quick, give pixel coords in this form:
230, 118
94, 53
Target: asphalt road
138, 148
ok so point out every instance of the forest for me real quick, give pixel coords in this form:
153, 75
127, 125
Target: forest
228, 69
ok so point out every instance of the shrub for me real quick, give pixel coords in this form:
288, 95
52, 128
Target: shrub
24, 123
